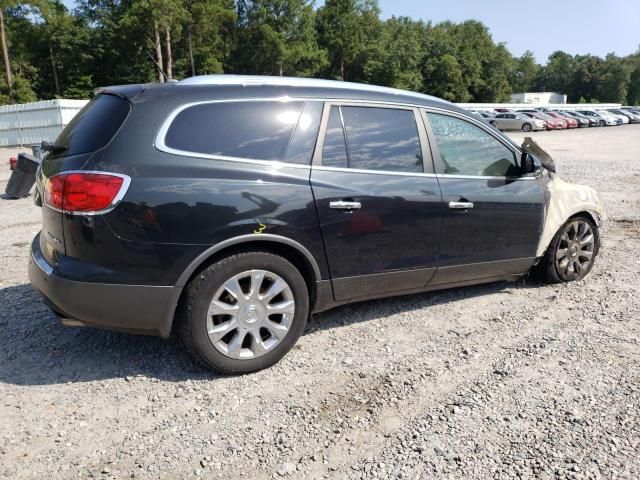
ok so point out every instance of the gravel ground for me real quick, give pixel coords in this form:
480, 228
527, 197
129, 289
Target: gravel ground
508, 380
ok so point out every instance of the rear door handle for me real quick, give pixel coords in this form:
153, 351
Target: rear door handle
460, 205
345, 205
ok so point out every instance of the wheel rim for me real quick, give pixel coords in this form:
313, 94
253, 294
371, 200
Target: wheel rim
526, 127
250, 314
575, 250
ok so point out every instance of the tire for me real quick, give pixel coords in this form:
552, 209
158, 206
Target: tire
553, 268
526, 127
237, 322
602, 123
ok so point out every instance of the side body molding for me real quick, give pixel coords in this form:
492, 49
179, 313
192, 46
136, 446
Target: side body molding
263, 237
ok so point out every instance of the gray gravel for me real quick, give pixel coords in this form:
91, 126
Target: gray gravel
508, 380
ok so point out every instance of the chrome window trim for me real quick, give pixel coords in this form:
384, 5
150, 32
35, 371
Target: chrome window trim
159, 140
418, 174
373, 172
114, 203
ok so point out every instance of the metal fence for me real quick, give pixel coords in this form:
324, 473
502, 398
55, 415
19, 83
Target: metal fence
31, 123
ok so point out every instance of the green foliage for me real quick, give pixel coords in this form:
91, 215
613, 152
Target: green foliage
525, 72
347, 29
278, 37
58, 53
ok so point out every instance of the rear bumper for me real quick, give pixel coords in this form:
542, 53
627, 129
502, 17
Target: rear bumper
130, 308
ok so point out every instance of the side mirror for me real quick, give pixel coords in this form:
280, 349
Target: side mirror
530, 164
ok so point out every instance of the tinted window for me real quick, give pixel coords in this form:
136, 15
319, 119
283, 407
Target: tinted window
334, 149
254, 130
94, 125
304, 138
468, 150
382, 139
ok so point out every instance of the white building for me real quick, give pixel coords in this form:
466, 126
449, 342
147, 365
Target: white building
536, 98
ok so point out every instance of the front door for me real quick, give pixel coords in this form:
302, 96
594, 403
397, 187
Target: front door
492, 216
377, 199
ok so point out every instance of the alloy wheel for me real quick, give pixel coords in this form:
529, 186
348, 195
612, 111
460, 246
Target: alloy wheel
575, 250
250, 314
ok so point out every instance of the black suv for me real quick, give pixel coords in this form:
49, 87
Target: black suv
227, 209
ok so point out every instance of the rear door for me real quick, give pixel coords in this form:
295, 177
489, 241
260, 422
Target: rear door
377, 199
493, 215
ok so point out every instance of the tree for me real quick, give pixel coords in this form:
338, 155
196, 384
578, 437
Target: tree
345, 28
210, 29
615, 78
558, 74
278, 37
524, 74
5, 53
394, 59
586, 82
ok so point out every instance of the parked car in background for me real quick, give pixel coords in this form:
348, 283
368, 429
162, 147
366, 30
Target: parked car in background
571, 122
225, 209
624, 119
591, 121
482, 114
603, 118
517, 121
551, 122
632, 117
634, 110
582, 122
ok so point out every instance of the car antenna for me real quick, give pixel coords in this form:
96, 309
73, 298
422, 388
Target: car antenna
158, 66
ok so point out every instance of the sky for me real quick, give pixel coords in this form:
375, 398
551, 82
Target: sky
597, 27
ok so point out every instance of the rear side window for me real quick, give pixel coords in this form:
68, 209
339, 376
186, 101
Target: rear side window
372, 138
382, 139
95, 125
252, 130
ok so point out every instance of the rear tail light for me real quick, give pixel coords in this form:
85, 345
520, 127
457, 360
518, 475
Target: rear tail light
85, 192
13, 161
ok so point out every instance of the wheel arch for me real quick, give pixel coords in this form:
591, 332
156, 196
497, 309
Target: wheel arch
287, 248
590, 214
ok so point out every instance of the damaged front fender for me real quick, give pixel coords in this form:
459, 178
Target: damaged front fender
563, 201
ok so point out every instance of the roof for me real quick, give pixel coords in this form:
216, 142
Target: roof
257, 80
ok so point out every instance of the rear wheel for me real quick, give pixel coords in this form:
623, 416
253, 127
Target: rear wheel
572, 251
526, 127
244, 312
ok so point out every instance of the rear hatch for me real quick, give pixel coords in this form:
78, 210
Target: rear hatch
89, 131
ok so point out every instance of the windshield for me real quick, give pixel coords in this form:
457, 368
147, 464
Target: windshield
93, 126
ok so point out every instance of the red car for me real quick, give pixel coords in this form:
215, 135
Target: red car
551, 122
571, 123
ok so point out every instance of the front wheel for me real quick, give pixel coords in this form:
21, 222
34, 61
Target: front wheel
526, 127
602, 123
244, 312
572, 251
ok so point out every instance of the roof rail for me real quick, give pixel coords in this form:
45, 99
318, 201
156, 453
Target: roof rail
250, 80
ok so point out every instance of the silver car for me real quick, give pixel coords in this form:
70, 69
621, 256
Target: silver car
517, 121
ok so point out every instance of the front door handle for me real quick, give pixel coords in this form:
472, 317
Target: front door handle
345, 205
460, 205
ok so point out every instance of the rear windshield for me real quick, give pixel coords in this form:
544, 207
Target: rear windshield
94, 125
